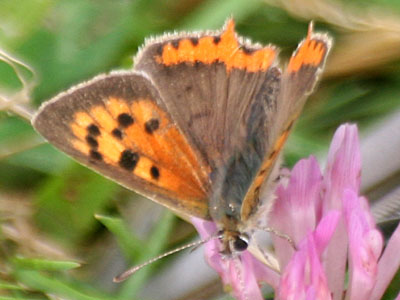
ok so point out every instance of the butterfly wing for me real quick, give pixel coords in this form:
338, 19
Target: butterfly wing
222, 92
118, 125
234, 106
197, 128
298, 81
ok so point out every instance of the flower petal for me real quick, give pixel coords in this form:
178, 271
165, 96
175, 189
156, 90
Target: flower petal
388, 265
365, 247
343, 166
304, 277
342, 172
295, 209
325, 230
243, 279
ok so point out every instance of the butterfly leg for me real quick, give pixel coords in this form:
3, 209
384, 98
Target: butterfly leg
281, 235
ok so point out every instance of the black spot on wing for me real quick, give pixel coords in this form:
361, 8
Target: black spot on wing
95, 155
117, 133
128, 159
125, 120
194, 41
93, 130
151, 125
248, 50
175, 44
92, 142
154, 172
216, 40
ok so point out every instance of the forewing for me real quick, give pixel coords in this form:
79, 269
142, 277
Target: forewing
118, 125
298, 81
220, 90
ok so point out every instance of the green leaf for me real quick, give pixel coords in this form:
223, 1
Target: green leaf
57, 287
131, 246
9, 286
19, 298
70, 202
43, 264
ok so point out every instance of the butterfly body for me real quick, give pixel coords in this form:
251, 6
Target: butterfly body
197, 126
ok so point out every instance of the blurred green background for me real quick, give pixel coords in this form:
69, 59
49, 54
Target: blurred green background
66, 231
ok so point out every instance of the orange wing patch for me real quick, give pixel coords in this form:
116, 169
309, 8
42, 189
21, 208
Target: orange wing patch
139, 138
224, 48
310, 53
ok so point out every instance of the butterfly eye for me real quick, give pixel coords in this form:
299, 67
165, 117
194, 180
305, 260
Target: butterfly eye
240, 244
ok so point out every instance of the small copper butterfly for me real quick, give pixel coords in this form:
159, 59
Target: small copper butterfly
197, 125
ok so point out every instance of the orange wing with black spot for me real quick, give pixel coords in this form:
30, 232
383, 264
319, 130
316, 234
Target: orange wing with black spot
224, 48
118, 126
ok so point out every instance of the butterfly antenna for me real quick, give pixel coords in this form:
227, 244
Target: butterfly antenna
134, 269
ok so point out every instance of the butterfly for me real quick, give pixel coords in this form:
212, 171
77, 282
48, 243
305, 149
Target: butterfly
197, 125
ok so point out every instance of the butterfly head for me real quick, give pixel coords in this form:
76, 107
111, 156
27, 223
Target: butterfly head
233, 242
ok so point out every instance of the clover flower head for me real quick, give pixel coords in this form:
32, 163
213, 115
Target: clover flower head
333, 228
